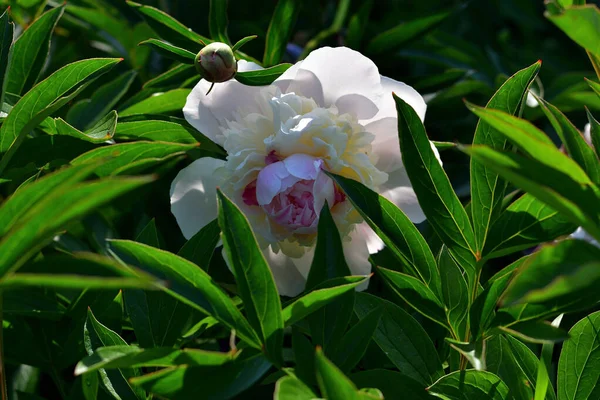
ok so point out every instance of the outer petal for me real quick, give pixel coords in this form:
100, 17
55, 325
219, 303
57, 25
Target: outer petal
387, 106
374, 243
587, 132
581, 234
399, 191
290, 282
208, 113
357, 255
193, 195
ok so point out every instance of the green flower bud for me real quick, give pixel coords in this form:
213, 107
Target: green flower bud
216, 62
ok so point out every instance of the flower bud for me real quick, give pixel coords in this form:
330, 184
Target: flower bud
216, 62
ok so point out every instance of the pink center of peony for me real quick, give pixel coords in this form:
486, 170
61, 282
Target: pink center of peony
286, 190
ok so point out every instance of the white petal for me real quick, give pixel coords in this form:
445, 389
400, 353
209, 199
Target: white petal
303, 166
339, 71
357, 255
587, 133
399, 191
374, 243
288, 279
386, 144
582, 234
387, 106
209, 113
323, 189
305, 83
193, 195
272, 179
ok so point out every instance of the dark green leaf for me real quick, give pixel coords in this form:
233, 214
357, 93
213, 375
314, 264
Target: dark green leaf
333, 383
416, 294
115, 382
254, 278
322, 295
47, 97
48, 217
290, 388
176, 77
170, 51
217, 20
392, 384
30, 52
86, 113
166, 102
242, 42
594, 131
581, 25
395, 229
119, 356
358, 24
189, 284
455, 293
199, 249
536, 332
280, 30
6, 39
578, 368
470, 385
396, 37
564, 270
169, 29
402, 339
440, 204
99, 133
353, 345
487, 189
120, 158
209, 383
156, 131
304, 357
261, 77
525, 223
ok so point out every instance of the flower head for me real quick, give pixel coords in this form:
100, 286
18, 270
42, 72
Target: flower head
330, 112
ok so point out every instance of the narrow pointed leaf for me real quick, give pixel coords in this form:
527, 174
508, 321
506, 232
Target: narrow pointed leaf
199, 249
99, 133
280, 30
290, 388
166, 102
470, 385
217, 20
170, 51
333, 383
6, 40
261, 77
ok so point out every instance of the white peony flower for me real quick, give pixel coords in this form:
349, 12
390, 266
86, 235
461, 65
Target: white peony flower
331, 111
3, 114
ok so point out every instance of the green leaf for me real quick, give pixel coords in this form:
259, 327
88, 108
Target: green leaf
254, 278
341, 11
536, 332
392, 384
304, 357
527, 222
594, 131
170, 51
242, 42
45, 98
354, 343
333, 383
199, 249
455, 293
120, 158
564, 270
166, 102
395, 229
210, 383
119, 356
578, 365
86, 113
562, 188
580, 23
30, 51
6, 39
99, 133
470, 385
290, 388
48, 217
487, 189
115, 382
358, 24
440, 204
396, 37
169, 29
416, 294
146, 128
402, 339
516, 364
483, 310
545, 365
176, 77
217, 20
280, 30
261, 77
328, 324
320, 296
189, 284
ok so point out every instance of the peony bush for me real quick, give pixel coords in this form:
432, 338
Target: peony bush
186, 216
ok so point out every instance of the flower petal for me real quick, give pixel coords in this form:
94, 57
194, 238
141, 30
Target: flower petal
303, 166
374, 243
272, 179
587, 133
193, 195
387, 106
288, 279
357, 255
208, 113
399, 191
